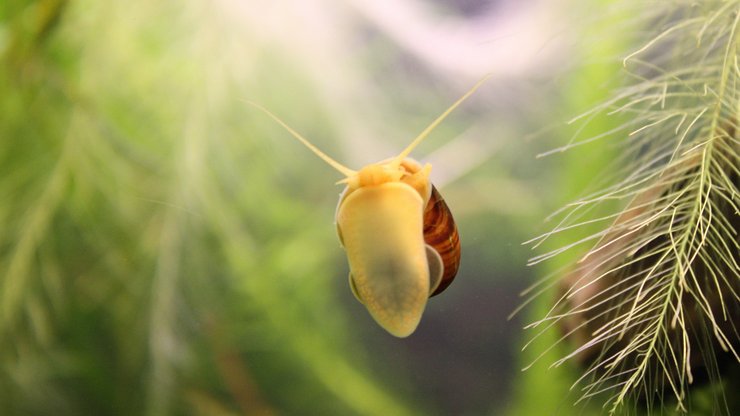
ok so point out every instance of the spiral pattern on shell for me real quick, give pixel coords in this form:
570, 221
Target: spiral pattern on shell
440, 232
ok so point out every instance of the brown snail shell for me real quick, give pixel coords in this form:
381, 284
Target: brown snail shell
440, 232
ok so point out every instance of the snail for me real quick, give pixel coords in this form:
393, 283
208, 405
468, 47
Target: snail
399, 235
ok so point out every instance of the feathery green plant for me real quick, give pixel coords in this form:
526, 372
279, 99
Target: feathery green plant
653, 305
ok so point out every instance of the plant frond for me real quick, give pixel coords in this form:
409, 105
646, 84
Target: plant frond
653, 304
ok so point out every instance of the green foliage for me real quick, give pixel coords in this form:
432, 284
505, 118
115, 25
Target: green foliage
651, 308
151, 259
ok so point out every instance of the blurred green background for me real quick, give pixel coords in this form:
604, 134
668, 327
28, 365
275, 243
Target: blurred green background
167, 249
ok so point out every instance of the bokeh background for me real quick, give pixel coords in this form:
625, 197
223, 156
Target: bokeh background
166, 248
